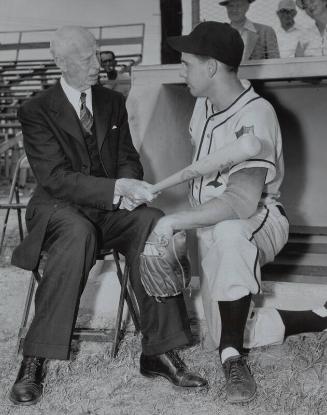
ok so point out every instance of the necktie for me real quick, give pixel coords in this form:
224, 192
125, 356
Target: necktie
85, 114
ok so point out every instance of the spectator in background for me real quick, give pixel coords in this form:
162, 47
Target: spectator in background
288, 35
260, 41
313, 41
109, 63
118, 80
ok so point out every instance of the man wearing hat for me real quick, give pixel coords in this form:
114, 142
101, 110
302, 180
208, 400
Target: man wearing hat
260, 41
288, 35
314, 39
240, 222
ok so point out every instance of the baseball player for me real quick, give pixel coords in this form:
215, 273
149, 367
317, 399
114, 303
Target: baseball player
241, 224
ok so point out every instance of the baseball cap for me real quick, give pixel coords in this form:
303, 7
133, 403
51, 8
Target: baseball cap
215, 39
286, 5
224, 3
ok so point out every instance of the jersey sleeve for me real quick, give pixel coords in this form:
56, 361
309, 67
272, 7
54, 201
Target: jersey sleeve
262, 120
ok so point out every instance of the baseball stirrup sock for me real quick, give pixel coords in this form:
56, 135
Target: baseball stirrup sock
296, 322
233, 319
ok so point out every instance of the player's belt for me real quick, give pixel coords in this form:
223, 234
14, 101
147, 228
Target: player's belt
282, 211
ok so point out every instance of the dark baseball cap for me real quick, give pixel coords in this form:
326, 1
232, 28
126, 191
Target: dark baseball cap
224, 3
215, 39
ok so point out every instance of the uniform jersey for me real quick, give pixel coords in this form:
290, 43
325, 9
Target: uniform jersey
210, 130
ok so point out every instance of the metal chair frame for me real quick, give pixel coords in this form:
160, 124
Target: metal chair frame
10, 204
126, 292
92, 334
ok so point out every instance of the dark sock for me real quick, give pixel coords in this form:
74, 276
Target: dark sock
296, 322
233, 319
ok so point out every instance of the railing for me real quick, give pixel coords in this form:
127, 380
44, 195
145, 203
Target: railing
126, 41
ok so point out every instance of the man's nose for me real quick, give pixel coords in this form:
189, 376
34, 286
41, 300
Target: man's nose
96, 62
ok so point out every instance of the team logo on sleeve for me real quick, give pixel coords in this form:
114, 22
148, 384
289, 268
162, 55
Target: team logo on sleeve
245, 130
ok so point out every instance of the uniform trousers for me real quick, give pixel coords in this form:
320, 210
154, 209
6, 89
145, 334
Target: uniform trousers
72, 239
231, 256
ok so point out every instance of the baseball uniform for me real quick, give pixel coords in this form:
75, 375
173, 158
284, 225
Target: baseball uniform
233, 251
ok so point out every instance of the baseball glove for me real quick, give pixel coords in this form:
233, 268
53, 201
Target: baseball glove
164, 266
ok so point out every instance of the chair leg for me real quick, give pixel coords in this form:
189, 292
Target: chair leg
123, 290
19, 215
23, 325
4, 228
131, 302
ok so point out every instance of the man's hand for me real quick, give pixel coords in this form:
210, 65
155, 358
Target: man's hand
163, 231
134, 193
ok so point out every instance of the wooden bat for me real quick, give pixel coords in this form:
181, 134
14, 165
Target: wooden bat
247, 146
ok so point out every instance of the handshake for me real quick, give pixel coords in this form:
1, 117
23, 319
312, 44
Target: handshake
134, 193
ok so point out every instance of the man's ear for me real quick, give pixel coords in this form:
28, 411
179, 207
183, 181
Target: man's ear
61, 63
212, 67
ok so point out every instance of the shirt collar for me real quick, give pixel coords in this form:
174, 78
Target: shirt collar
248, 25
239, 101
73, 95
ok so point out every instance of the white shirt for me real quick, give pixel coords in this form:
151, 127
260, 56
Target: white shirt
313, 42
74, 96
288, 41
212, 130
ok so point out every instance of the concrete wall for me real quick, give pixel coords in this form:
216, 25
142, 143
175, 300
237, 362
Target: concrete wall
300, 107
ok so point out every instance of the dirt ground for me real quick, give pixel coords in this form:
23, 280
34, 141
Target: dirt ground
291, 378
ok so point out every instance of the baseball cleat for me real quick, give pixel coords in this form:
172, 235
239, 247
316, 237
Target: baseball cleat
240, 385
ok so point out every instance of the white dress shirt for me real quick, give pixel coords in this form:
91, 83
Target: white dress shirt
288, 41
74, 96
313, 42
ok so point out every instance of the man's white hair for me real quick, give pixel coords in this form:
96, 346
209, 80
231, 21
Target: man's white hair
69, 38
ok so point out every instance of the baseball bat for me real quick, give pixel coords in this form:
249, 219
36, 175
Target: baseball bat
247, 146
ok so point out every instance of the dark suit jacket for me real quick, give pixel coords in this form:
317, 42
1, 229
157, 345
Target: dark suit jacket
56, 150
261, 44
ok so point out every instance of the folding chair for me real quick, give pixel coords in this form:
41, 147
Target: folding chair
125, 294
91, 334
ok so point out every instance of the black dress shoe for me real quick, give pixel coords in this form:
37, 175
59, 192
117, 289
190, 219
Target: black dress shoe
28, 387
170, 366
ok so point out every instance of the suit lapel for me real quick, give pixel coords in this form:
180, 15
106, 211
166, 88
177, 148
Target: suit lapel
101, 114
65, 114
250, 44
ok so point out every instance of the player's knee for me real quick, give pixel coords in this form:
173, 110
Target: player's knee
231, 232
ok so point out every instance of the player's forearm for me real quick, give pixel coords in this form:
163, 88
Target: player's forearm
207, 214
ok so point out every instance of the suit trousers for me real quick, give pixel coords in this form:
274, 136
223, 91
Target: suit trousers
72, 239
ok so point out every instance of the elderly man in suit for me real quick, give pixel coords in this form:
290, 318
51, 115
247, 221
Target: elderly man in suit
89, 194
260, 41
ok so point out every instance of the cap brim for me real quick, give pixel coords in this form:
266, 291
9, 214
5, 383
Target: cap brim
182, 44
224, 3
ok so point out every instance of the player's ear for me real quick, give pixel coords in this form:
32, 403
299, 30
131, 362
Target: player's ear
212, 67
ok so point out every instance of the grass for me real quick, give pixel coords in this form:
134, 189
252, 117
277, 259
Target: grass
291, 378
